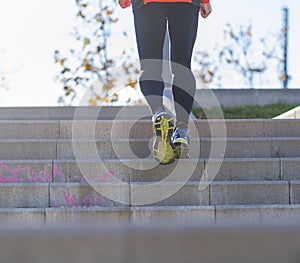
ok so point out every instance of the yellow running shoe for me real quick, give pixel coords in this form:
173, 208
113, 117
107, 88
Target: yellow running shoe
164, 151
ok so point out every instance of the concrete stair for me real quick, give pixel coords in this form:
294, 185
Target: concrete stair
41, 183
67, 113
148, 244
249, 213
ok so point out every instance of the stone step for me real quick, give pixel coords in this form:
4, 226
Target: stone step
22, 217
148, 244
47, 129
30, 129
187, 215
34, 149
24, 195
200, 148
218, 193
27, 171
140, 148
67, 113
147, 170
217, 215
72, 195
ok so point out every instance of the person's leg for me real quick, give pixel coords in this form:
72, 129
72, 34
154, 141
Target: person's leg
150, 28
183, 26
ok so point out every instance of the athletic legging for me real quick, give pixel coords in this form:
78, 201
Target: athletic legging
150, 26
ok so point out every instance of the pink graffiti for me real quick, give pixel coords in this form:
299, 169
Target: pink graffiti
27, 174
57, 173
71, 200
32, 176
13, 172
10, 175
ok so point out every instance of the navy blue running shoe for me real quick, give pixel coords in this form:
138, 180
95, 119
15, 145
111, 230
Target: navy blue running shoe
181, 140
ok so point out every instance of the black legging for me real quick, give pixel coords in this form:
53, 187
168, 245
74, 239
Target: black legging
150, 26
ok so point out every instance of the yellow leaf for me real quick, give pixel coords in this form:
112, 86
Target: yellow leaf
62, 62
88, 66
86, 41
92, 102
283, 77
108, 85
210, 73
81, 14
132, 83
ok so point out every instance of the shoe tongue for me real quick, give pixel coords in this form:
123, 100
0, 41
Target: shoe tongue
182, 129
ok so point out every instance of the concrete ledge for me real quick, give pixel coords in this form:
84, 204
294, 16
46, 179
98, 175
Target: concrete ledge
24, 195
143, 170
18, 216
290, 168
83, 195
94, 171
29, 129
67, 113
140, 148
85, 129
91, 215
265, 147
267, 214
179, 194
286, 147
147, 170
121, 149
198, 129
249, 193
220, 215
26, 171
237, 147
246, 169
27, 149
145, 244
234, 97
295, 192
169, 215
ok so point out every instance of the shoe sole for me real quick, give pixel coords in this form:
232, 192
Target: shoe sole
164, 151
182, 148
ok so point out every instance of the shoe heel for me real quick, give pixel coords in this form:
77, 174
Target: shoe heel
183, 151
164, 151
164, 126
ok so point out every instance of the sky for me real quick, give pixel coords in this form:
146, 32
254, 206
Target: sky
32, 30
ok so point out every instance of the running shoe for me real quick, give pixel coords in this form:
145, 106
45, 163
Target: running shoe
164, 150
181, 140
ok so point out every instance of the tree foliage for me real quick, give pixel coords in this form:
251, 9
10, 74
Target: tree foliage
207, 68
91, 61
241, 52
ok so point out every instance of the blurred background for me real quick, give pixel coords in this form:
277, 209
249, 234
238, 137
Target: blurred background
52, 51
